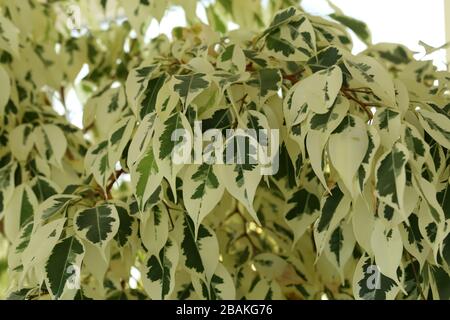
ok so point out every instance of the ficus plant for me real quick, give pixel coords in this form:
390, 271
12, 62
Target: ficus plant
356, 201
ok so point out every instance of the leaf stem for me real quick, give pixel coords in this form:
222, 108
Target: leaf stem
365, 106
168, 208
416, 276
114, 177
63, 97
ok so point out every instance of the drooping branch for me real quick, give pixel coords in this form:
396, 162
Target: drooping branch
348, 93
63, 97
416, 276
89, 127
114, 177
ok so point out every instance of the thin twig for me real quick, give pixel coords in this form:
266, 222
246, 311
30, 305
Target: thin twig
89, 127
63, 97
168, 208
113, 179
416, 276
245, 235
363, 105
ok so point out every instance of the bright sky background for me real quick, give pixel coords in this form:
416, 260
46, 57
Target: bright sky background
400, 21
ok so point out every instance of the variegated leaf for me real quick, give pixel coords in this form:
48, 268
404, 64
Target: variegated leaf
97, 225
159, 271
63, 268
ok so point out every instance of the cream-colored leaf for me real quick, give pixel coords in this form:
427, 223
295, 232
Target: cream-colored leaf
387, 247
349, 142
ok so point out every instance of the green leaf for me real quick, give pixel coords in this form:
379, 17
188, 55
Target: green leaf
388, 124
221, 286
241, 176
388, 248
349, 138
340, 247
325, 59
281, 48
201, 191
137, 84
232, 59
365, 168
334, 208
145, 177
329, 207
41, 242
436, 125
418, 148
63, 268
44, 188
199, 255
189, 86
19, 211
268, 81
413, 239
102, 158
51, 143
357, 26
370, 284
150, 94
21, 142
173, 123
97, 225
154, 228
126, 222
317, 92
55, 204
220, 119
172, 146
303, 208
290, 38
390, 176
281, 17
368, 72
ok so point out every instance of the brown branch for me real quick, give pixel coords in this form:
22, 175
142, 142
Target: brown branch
242, 102
365, 106
113, 179
46, 100
249, 67
63, 97
168, 208
247, 236
291, 77
294, 77
89, 127
359, 90
416, 276
69, 154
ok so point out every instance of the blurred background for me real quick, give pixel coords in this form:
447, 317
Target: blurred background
399, 21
